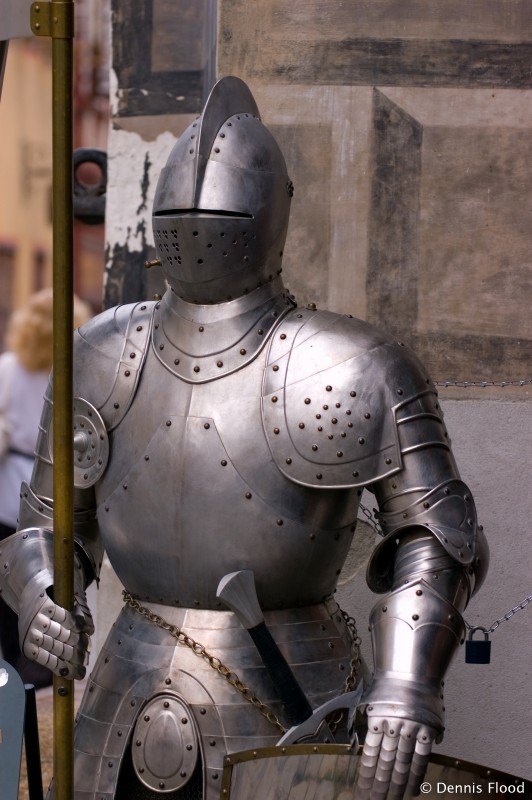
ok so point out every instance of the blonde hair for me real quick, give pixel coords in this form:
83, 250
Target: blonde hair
30, 330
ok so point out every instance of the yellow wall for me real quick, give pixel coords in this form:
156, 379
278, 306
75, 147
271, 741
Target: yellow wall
26, 162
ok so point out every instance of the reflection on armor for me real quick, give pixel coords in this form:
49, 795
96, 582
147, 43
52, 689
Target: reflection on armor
225, 429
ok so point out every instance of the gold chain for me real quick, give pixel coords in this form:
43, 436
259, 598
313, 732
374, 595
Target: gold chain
230, 676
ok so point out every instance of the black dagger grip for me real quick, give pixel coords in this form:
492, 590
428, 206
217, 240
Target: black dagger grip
294, 701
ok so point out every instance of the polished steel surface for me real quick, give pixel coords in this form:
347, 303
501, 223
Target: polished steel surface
222, 202
140, 662
241, 431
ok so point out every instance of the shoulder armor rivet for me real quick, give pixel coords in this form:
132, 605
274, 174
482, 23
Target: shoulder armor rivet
139, 327
318, 416
389, 461
343, 434
283, 336
399, 391
260, 331
86, 475
447, 491
467, 498
301, 424
349, 424
405, 515
279, 521
132, 355
307, 400
355, 474
367, 415
274, 399
203, 711
146, 458
384, 609
288, 460
419, 592
206, 426
325, 408
319, 476
162, 784
361, 440
320, 427
314, 447
143, 308
176, 361
196, 369
415, 616
334, 421
339, 453
328, 388
248, 495
168, 423
201, 328
338, 405
223, 463
275, 368
161, 347
219, 363
299, 316
127, 373
426, 505
330, 436
243, 351
276, 430
117, 405
353, 394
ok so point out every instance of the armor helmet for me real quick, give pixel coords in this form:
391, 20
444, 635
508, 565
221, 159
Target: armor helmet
222, 203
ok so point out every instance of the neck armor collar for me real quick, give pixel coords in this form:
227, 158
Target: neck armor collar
200, 343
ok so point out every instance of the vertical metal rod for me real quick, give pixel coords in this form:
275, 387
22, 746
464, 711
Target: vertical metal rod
63, 251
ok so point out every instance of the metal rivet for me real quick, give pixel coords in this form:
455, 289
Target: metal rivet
301, 424
223, 463
274, 399
201, 328
415, 616
242, 351
361, 440
176, 361
275, 367
288, 460
307, 400
196, 369
276, 430
280, 522
283, 336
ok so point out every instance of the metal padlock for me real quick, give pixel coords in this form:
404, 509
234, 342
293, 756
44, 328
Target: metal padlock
478, 651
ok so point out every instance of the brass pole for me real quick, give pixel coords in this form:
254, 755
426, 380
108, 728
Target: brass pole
56, 19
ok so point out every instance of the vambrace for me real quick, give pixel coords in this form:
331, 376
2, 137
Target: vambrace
34, 512
416, 630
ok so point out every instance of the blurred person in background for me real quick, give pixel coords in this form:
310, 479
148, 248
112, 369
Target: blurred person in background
24, 371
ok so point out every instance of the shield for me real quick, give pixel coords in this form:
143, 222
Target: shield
328, 772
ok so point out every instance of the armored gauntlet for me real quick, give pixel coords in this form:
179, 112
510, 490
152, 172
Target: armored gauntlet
50, 635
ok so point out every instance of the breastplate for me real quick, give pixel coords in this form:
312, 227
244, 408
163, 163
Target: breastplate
191, 493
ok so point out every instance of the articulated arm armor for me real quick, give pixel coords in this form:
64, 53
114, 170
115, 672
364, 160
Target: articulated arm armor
431, 560
50, 635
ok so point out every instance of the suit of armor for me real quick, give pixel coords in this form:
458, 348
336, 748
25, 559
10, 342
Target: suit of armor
224, 428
